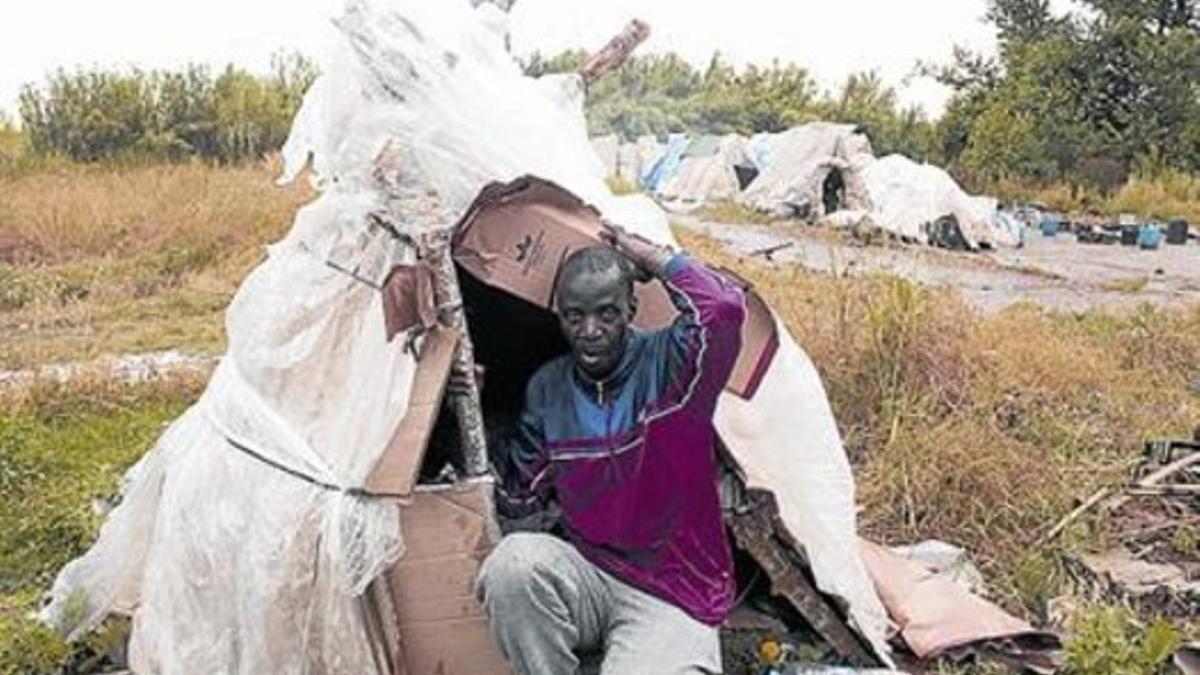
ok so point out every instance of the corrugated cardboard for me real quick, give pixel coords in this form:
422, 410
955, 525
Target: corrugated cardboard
448, 530
398, 467
516, 235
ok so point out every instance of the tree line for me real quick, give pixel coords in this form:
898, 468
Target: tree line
224, 116
1087, 97
662, 93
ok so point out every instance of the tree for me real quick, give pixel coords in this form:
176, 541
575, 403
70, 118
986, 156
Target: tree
1022, 21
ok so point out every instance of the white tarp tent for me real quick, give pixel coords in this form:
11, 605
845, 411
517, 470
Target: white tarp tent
227, 564
608, 149
706, 172
907, 197
795, 164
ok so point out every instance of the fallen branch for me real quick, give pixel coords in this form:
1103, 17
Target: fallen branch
1149, 481
1169, 470
1097, 497
769, 251
1133, 535
1165, 491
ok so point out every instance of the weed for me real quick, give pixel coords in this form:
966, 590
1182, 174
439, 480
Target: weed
1110, 641
1186, 541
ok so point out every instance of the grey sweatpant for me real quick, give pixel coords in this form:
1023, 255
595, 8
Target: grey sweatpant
547, 605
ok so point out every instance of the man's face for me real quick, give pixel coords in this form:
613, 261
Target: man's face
594, 311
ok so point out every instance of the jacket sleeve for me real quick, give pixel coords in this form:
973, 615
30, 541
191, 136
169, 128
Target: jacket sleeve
702, 344
524, 486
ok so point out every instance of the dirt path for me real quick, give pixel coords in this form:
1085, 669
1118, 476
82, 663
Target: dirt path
1056, 273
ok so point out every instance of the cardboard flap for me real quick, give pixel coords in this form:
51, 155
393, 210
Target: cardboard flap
408, 300
516, 235
397, 470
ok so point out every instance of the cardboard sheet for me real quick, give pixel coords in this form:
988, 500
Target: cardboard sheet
517, 235
399, 465
448, 531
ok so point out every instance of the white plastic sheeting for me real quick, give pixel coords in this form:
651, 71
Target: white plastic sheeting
229, 565
608, 149
907, 196
795, 163
705, 172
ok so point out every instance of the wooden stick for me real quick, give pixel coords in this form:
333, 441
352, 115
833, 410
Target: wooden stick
615, 52
468, 408
1169, 470
1165, 491
1097, 497
1149, 481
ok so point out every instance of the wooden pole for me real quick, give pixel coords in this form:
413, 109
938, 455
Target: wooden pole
613, 54
468, 408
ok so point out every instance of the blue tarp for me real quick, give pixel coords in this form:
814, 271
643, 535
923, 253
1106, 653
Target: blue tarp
667, 165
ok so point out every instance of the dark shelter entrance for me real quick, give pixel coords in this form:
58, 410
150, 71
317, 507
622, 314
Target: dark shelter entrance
833, 191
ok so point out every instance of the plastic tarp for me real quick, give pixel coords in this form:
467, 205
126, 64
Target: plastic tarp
608, 149
666, 165
645, 151
795, 163
906, 197
705, 172
229, 565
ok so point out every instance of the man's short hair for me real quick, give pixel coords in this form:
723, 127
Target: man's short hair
596, 259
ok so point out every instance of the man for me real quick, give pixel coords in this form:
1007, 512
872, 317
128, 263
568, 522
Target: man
618, 434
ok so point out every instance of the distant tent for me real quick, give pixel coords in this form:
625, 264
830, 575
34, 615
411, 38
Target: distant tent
631, 160
706, 172
608, 149
810, 170
921, 202
666, 165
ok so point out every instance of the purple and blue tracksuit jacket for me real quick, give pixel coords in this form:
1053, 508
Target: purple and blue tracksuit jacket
630, 461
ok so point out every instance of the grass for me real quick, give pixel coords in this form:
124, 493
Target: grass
733, 213
1161, 196
1127, 285
63, 450
96, 260
981, 430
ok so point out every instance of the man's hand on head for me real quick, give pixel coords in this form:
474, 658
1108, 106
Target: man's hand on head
648, 258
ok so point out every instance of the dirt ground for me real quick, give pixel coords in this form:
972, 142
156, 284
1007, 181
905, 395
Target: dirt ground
1054, 272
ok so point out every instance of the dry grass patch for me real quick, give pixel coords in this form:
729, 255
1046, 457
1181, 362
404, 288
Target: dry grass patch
983, 430
733, 213
86, 212
115, 260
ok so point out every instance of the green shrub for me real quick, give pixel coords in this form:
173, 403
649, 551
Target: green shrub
1109, 641
138, 115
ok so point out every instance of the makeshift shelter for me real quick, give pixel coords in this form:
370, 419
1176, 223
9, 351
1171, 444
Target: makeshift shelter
608, 149
811, 170
921, 202
280, 525
638, 156
665, 164
627, 161
706, 172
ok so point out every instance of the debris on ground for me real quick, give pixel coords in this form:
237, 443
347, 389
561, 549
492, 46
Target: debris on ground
946, 561
1156, 565
127, 368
